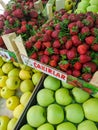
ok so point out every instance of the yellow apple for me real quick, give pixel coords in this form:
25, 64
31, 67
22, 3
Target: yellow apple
26, 85
3, 80
11, 124
25, 98
18, 111
4, 122
1, 61
1, 72
24, 74
25, 67
68, 4
16, 64
6, 93
36, 77
14, 72
7, 67
12, 102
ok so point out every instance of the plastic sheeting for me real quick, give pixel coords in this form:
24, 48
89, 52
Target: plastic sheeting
1, 8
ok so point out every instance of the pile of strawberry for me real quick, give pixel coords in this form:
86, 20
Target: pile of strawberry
21, 17
69, 42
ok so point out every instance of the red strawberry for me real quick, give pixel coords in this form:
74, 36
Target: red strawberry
68, 44
37, 45
47, 44
18, 13
64, 16
23, 28
19, 31
57, 27
56, 44
48, 32
1, 24
73, 17
64, 65
91, 66
82, 49
56, 51
34, 56
71, 54
85, 30
55, 34
23, 22
53, 63
79, 24
95, 47
44, 59
90, 40
40, 53
48, 51
76, 41
33, 38
69, 72
76, 73
84, 58
71, 25
33, 14
87, 76
55, 57
46, 37
78, 65
64, 39
63, 52
28, 44
94, 31
74, 30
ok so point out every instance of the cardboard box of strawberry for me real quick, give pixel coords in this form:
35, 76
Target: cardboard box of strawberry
69, 42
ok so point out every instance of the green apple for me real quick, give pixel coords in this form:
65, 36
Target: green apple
94, 2
74, 113
3, 80
14, 72
36, 77
92, 8
80, 95
11, 124
87, 125
1, 72
7, 67
66, 126
13, 83
46, 126
26, 85
6, 93
95, 95
78, 11
68, 4
26, 127
51, 83
25, 98
16, 64
4, 122
90, 108
12, 102
18, 111
48, 97
25, 74
36, 116
66, 85
1, 61
35, 70
62, 96
55, 114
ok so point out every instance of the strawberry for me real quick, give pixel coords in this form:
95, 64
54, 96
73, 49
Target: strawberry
76, 73
55, 34
64, 65
71, 25
76, 41
1, 24
78, 65
56, 44
56, 51
71, 54
33, 14
95, 47
23, 28
48, 51
79, 24
69, 72
90, 40
48, 32
64, 16
47, 44
68, 44
33, 38
74, 30
73, 17
18, 13
37, 45
84, 58
85, 30
90, 66
55, 57
46, 37
63, 52
34, 56
28, 44
64, 39
23, 22
1, 41
44, 59
53, 63
82, 49
94, 31
86, 76
57, 26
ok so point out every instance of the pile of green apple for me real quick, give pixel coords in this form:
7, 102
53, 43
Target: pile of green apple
17, 81
87, 6
61, 106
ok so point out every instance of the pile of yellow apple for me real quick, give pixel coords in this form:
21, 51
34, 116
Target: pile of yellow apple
17, 81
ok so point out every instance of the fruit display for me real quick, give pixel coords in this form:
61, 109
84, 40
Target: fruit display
63, 107
87, 5
69, 43
17, 82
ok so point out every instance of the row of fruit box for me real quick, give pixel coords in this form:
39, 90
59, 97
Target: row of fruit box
48, 107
